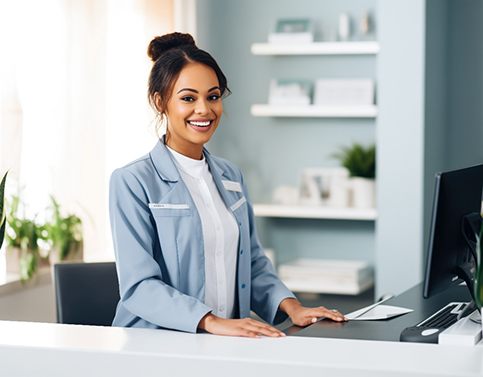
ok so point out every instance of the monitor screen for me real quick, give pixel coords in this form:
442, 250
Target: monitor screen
457, 194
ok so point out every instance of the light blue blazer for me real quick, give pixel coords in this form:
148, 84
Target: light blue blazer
159, 250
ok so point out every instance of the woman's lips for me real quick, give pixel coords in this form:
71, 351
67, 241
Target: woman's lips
200, 125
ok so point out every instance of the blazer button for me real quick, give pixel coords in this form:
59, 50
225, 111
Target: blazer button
243, 286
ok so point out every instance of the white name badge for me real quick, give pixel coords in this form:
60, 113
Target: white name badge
168, 206
232, 186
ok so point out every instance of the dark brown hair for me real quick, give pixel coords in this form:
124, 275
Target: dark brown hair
170, 54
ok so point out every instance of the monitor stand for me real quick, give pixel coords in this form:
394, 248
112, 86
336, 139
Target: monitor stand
467, 331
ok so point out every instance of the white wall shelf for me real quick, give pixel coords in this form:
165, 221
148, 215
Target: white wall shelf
314, 111
316, 48
314, 212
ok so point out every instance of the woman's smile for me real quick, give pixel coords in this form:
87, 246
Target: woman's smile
200, 125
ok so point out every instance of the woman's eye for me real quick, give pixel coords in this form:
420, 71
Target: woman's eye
187, 99
214, 97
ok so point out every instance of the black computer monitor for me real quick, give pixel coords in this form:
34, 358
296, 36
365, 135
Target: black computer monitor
457, 200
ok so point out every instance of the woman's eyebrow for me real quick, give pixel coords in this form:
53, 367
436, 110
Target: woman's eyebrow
187, 89
195, 91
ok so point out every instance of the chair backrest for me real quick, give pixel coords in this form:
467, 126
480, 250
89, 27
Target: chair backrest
86, 293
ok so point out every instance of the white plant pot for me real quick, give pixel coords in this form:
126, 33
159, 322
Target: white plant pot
363, 192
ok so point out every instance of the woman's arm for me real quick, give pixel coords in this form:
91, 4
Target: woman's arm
142, 289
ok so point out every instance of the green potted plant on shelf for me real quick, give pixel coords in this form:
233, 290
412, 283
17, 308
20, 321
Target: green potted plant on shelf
360, 161
3, 209
64, 234
23, 255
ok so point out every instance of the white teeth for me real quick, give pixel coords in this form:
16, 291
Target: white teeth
200, 124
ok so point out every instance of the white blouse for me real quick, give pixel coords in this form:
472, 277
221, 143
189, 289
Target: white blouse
220, 234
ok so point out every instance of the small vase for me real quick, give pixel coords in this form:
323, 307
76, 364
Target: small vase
363, 192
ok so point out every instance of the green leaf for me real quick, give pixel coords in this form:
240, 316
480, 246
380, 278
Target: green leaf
2, 199
2, 233
3, 211
359, 160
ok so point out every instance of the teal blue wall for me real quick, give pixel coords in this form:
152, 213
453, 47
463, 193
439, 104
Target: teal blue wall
436, 102
465, 87
273, 151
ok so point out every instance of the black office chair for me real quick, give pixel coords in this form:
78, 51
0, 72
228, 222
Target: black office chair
86, 293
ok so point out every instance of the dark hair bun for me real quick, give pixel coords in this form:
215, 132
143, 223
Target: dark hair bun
160, 45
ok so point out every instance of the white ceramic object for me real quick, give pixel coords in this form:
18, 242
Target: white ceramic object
339, 189
363, 192
344, 29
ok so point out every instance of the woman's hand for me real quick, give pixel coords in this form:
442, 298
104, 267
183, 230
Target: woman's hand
246, 327
302, 316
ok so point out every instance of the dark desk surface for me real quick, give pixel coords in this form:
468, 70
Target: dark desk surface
390, 329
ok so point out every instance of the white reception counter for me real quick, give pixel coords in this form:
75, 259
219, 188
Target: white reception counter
43, 349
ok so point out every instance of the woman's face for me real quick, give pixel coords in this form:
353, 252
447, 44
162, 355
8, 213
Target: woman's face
194, 109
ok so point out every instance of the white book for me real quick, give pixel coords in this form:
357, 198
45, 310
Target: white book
344, 92
321, 267
326, 278
300, 285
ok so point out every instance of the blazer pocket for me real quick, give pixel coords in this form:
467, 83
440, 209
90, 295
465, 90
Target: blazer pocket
168, 209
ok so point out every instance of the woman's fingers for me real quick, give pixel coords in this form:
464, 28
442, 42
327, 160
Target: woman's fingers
321, 311
246, 327
262, 329
259, 328
307, 316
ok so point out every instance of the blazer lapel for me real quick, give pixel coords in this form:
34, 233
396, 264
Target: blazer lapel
163, 162
218, 174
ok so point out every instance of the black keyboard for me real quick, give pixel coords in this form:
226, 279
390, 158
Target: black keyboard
428, 330
445, 317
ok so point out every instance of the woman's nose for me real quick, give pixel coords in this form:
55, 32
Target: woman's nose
202, 107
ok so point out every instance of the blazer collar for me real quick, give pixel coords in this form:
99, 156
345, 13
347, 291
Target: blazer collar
166, 168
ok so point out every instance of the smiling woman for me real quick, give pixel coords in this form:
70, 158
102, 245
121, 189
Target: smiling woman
191, 101
194, 112
187, 253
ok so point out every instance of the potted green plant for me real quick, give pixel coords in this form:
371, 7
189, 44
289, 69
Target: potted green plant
64, 234
22, 247
361, 163
3, 209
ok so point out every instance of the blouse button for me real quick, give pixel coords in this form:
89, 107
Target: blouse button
241, 252
243, 286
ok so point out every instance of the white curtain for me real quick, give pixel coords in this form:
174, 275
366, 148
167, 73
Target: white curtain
73, 106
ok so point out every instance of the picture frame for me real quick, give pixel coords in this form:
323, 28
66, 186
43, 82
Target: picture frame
292, 30
290, 92
324, 186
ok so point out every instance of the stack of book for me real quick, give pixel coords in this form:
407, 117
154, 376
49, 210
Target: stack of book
348, 277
